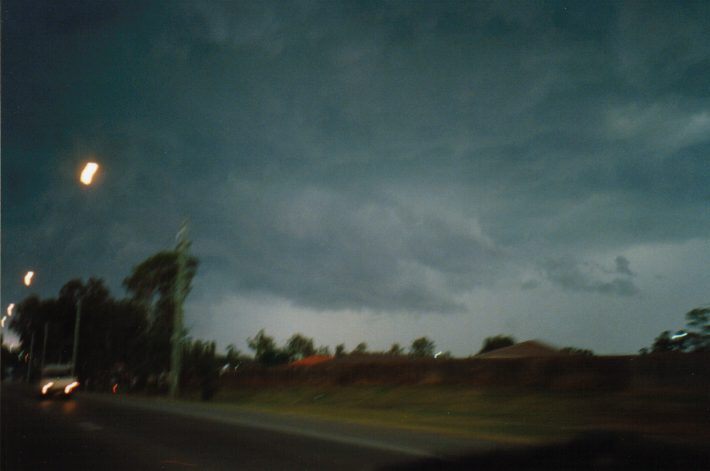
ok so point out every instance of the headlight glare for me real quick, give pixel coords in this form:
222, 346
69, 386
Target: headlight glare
46, 387
71, 387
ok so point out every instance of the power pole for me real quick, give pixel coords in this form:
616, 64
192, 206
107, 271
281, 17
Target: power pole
32, 349
77, 322
180, 291
44, 344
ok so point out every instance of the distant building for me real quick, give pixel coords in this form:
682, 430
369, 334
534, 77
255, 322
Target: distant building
527, 349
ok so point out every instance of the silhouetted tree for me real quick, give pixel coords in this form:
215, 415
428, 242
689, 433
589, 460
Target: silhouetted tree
30, 316
576, 351
10, 362
360, 349
200, 368
156, 276
299, 346
340, 350
698, 323
265, 350
152, 284
233, 355
666, 343
696, 337
422, 347
112, 331
262, 344
395, 349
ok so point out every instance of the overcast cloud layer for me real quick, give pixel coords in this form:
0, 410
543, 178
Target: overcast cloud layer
369, 171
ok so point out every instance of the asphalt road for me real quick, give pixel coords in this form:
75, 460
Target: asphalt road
104, 432
94, 432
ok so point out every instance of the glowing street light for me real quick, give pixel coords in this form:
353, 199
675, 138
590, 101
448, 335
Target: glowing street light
87, 175
28, 278
10, 308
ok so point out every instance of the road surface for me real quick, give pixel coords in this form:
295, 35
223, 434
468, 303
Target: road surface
104, 432
99, 432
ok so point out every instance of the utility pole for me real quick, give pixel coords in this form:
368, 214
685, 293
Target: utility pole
32, 349
44, 344
180, 290
77, 321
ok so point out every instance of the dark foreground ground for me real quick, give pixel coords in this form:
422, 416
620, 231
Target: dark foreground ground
98, 432
117, 433
595, 451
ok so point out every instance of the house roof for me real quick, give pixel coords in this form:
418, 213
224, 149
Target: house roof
530, 348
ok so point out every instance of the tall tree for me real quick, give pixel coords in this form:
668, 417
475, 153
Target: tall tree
265, 350
696, 337
340, 350
156, 275
698, 322
323, 350
666, 343
577, 351
395, 349
233, 355
112, 331
360, 349
299, 346
422, 347
152, 284
28, 319
262, 344
10, 363
200, 368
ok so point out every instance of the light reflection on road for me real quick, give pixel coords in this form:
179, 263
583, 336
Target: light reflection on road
65, 406
69, 407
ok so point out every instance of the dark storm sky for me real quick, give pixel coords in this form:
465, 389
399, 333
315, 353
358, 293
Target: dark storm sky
369, 171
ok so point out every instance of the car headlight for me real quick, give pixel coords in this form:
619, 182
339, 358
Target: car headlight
71, 387
46, 387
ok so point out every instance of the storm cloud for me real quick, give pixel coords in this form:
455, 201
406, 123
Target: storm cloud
397, 158
585, 277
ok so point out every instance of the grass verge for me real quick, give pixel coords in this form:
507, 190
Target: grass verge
510, 416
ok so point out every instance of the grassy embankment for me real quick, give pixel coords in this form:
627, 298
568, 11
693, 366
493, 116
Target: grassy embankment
506, 415
512, 400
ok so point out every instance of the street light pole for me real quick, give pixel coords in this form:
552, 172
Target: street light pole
75, 350
32, 349
180, 289
44, 344
86, 178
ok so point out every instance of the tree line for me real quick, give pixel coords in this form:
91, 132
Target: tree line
694, 338
127, 341
123, 341
268, 353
